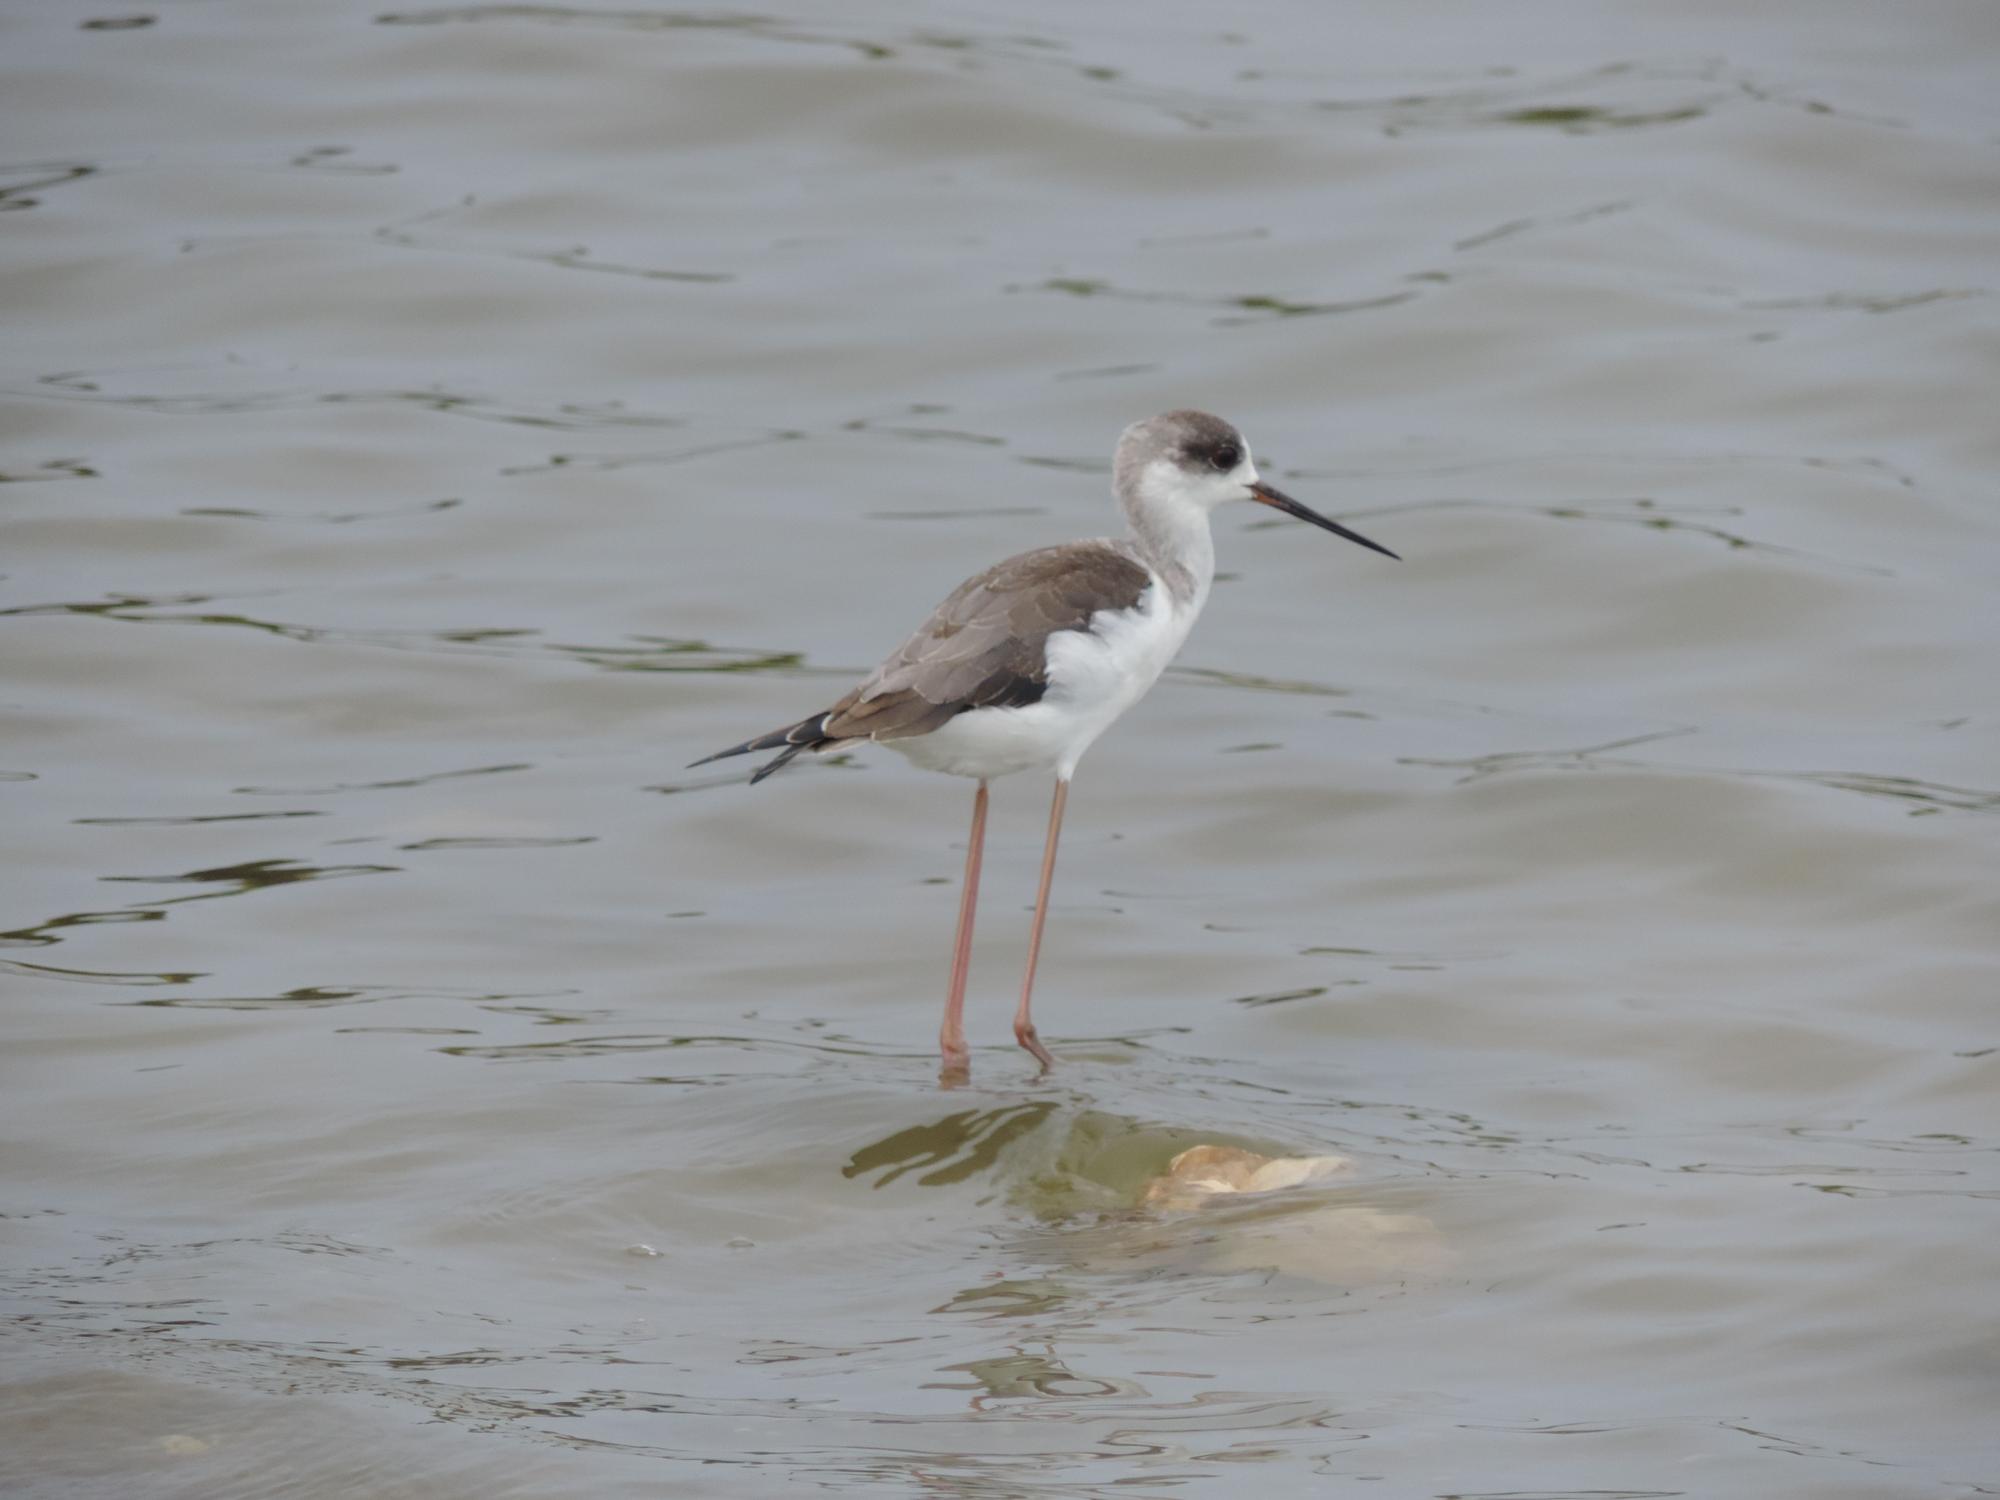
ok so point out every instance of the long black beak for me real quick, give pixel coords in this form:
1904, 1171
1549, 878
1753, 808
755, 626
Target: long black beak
1277, 499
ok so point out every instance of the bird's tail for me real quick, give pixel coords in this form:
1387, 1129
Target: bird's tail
808, 734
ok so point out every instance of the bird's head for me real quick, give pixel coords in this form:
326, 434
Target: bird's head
1182, 460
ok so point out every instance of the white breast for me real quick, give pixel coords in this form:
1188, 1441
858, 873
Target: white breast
1094, 676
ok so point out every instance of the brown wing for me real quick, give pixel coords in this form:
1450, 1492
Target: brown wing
985, 646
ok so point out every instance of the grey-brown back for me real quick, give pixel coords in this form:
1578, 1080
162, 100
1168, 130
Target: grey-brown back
987, 645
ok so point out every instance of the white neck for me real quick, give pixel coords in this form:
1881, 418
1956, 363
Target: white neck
1169, 522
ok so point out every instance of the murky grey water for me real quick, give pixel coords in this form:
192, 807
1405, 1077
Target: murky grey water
430, 428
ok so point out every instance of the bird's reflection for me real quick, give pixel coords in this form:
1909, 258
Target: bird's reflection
959, 1146
1017, 1374
1008, 1299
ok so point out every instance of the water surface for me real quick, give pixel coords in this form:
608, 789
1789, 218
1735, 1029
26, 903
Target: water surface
429, 428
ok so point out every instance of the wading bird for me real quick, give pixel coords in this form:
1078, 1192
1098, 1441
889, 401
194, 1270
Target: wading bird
1026, 664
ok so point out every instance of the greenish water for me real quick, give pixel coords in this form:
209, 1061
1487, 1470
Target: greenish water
426, 431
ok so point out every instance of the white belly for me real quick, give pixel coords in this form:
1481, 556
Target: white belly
1094, 676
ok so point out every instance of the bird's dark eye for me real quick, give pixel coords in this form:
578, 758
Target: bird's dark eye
1225, 457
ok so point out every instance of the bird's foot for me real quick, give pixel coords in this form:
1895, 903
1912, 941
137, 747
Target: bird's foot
956, 1068
1028, 1037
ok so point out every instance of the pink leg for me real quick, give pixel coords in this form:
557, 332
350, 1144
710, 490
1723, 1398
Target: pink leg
1024, 1022
951, 1036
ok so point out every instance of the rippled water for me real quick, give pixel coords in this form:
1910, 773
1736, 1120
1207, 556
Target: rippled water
430, 428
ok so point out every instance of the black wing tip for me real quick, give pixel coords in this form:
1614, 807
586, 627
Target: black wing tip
808, 734
777, 762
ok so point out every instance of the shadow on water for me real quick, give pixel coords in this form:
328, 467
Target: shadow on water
397, 783
1660, 95
1641, 511
195, 819
251, 875
318, 996
1013, 47
114, 387
236, 880
55, 468
649, 653
15, 196
137, 979
41, 934
1236, 311
1929, 797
